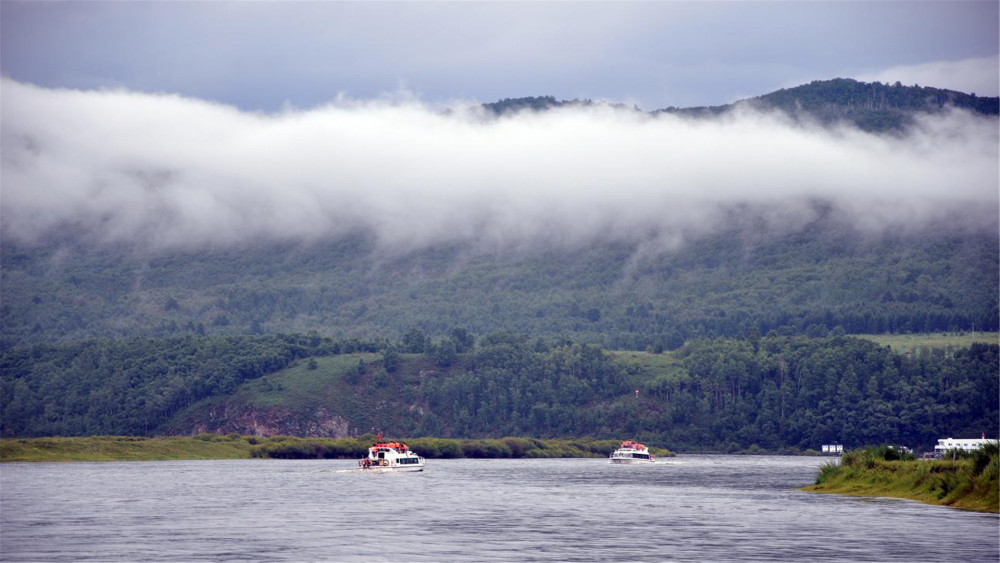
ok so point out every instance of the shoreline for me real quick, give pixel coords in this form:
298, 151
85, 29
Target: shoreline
887, 494
233, 446
968, 484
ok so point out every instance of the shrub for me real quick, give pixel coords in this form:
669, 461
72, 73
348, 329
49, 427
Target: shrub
486, 449
436, 448
982, 457
826, 471
517, 446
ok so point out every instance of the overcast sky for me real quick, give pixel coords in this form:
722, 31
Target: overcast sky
180, 124
265, 56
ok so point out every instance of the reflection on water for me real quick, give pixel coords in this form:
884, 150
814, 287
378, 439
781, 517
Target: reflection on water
689, 508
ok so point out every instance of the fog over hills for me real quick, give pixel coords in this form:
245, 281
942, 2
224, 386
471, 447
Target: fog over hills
130, 213
168, 172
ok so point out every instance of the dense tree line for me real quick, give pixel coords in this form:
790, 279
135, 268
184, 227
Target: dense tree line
770, 393
132, 386
511, 386
792, 392
732, 394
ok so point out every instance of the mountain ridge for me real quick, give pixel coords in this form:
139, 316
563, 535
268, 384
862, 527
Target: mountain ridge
871, 106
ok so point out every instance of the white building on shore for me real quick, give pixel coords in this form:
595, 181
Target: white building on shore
964, 444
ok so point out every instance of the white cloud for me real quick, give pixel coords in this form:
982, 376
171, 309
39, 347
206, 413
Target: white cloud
977, 75
168, 171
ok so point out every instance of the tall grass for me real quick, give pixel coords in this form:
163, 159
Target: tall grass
970, 482
235, 446
440, 448
125, 448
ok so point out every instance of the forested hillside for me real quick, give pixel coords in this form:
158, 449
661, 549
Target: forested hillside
773, 393
808, 267
721, 283
131, 386
870, 106
812, 280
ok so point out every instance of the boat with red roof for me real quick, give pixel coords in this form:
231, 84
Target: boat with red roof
632, 452
391, 456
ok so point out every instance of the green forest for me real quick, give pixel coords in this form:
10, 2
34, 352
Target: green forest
869, 106
772, 393
823, 279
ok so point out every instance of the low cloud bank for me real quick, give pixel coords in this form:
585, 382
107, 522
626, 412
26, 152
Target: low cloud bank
171, 172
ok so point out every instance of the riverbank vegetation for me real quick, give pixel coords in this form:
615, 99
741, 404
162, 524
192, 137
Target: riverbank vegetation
122, 448
233, 446
441, 448
969, 482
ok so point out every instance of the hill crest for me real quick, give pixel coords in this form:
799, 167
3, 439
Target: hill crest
871, 106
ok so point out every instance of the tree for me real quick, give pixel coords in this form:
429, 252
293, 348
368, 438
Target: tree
444, 353
463, 340
415, 342
390, 359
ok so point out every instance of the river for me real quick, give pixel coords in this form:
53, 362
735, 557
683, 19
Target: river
688, 508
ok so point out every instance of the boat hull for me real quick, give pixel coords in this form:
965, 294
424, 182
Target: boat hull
388, 457
397, 469
630, 460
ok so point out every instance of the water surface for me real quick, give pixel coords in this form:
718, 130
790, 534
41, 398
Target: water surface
689, 508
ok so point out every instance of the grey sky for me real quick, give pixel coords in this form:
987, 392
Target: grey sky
328, 119
267, 55
166, 171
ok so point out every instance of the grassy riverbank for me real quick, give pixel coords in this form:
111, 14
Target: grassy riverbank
121, 448
970, 483
233, 446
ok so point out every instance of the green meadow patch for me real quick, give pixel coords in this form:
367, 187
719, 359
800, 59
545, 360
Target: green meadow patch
928, 342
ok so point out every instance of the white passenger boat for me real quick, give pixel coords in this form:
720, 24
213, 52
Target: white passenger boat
391, 456
632, 452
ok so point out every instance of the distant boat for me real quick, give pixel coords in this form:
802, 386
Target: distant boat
391, 456
632, 452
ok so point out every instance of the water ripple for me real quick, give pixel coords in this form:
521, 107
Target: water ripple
693, 508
